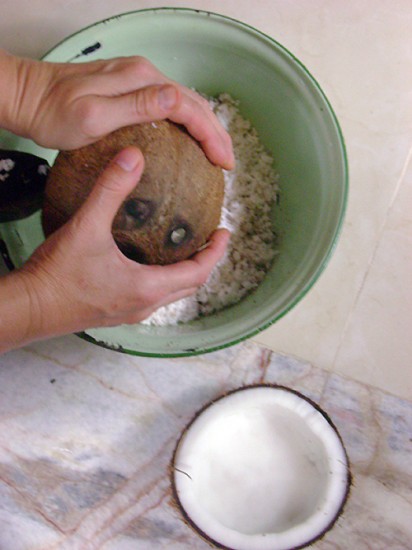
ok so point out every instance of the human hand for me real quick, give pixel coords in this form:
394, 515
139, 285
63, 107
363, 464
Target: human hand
69, 105
78, 278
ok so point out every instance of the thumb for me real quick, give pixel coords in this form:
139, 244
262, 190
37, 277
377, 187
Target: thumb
113, 185
155, 102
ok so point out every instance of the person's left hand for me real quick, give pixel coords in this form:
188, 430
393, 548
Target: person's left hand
69, 105
78, 278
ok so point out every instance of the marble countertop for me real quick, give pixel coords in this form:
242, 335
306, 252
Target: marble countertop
87, 434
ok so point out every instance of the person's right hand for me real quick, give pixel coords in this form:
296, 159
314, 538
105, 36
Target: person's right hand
78, 278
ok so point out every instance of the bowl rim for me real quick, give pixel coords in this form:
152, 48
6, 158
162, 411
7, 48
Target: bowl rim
345, 180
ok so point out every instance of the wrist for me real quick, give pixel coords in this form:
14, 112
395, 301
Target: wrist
20, 92
8, 88
16, 324
47, 314
29, 310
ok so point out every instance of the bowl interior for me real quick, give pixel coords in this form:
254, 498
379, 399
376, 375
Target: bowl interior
295, 122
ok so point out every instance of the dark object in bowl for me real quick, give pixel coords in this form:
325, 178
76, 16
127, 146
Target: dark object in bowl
22, 182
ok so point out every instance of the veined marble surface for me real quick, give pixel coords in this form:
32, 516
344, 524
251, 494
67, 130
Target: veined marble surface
87, 435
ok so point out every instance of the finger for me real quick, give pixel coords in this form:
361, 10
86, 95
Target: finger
195, 114
179, 105
144, 105
167, 300
105, 114
120, 76
137, 315
191, 273
113, 186
176, 296
129, 91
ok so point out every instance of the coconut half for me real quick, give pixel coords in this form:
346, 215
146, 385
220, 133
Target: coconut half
261, 468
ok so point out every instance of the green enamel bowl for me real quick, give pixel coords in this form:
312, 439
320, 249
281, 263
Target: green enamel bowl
295, 122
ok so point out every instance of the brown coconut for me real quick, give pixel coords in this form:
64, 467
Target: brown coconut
172, 211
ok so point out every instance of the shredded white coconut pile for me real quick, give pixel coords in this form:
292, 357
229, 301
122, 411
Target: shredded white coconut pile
250, 193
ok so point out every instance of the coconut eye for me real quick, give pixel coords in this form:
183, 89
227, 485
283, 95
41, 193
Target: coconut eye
140, 210
179, 234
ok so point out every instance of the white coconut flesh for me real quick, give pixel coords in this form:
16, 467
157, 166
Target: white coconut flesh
261, 469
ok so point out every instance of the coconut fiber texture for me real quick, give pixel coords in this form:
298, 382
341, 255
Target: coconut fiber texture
172, 211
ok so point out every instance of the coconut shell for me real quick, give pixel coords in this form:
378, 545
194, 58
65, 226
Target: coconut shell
172, 211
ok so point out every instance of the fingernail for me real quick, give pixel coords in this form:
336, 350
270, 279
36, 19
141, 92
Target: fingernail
128, 159
230, 156
231, 159
167, 97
